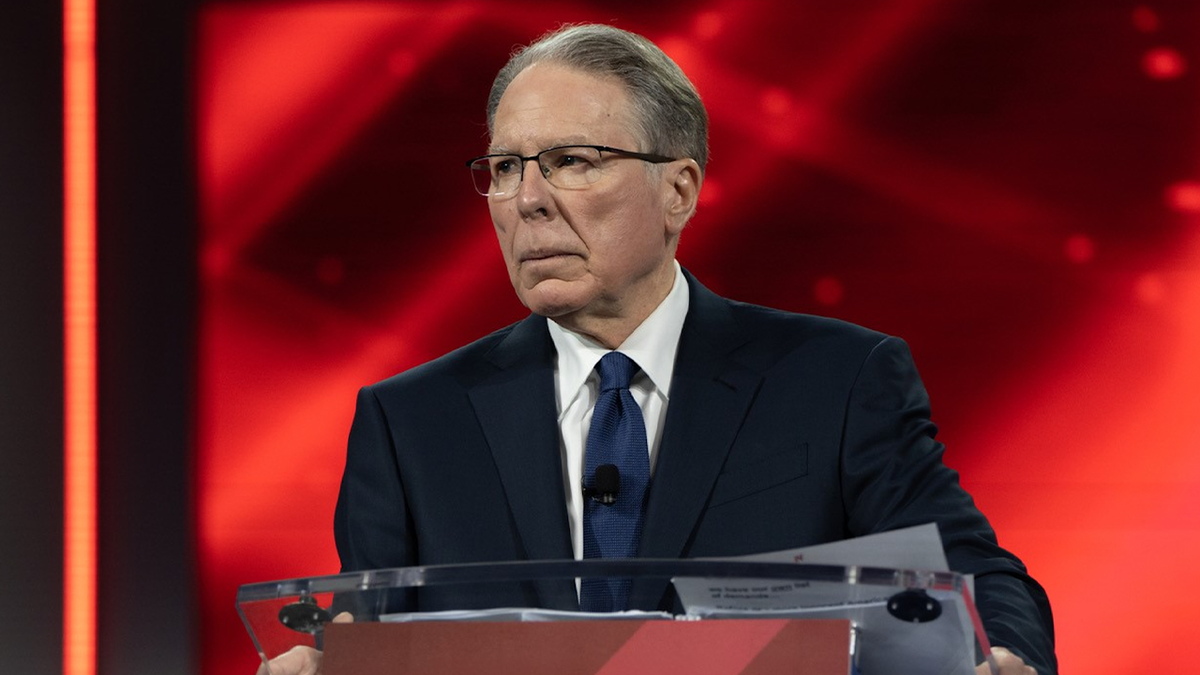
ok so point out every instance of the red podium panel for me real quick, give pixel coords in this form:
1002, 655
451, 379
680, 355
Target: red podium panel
595, 647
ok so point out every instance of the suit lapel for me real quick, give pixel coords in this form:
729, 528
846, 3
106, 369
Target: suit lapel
515, 406
711, 393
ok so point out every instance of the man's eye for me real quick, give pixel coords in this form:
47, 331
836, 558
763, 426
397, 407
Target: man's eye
568, 161
504, 167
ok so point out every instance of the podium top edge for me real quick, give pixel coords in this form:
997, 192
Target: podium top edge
516, 571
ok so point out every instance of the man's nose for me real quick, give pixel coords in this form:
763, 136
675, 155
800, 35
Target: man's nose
534, 192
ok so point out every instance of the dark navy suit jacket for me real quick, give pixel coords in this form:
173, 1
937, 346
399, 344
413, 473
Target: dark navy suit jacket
783, 430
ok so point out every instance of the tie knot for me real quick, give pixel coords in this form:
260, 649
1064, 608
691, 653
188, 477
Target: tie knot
616, 371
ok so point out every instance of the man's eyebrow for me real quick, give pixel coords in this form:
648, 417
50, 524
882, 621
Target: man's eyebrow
559, 143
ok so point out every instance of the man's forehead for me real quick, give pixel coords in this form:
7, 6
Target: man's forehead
548, 104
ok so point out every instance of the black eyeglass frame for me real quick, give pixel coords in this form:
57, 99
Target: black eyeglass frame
644, 156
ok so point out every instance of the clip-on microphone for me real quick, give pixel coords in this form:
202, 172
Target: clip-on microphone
606, 485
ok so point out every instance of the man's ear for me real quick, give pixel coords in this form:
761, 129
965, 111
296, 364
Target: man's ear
681, 185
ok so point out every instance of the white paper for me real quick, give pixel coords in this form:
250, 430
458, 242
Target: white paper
912, 548
888, 646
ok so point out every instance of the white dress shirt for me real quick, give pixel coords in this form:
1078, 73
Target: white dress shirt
576, 383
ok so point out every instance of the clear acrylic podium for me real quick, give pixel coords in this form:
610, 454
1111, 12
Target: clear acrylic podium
720, 617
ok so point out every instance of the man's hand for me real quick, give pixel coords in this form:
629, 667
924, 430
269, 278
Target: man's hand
1007, 662
300, 660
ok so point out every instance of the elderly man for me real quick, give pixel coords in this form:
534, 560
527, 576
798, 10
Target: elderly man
715, 415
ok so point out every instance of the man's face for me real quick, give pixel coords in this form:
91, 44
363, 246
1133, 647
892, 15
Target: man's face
591, 256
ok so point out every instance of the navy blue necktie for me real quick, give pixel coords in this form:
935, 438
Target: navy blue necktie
617, 436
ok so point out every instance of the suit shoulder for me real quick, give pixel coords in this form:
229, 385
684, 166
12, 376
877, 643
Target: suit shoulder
459, 366
793, 328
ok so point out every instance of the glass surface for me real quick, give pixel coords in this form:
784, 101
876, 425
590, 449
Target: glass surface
906, 621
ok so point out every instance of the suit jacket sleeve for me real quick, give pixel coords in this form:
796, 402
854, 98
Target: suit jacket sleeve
371, 525
893, 476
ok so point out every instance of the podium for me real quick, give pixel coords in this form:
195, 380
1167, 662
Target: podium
705, 617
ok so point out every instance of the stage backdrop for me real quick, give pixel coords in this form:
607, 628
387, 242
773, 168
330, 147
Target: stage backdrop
1012, 186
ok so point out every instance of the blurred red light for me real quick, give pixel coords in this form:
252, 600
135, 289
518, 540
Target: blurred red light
215, 261
776, 102
708, 25
1163, 63
1145, 19
1080, 248
829, 291
1184, 196
1151, 289
710, 192
402, 64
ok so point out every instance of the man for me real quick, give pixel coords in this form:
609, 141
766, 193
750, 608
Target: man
744, 414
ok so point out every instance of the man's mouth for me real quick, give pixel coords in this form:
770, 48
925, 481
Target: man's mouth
535, 256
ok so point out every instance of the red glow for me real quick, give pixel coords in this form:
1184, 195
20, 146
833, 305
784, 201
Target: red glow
709, 25
289, 88
1145, 19
402, 63
79, 322
710, 193
1184, 197
776, 102
1079, 248
829, 291
1071, 422
1164, 63
1151, 289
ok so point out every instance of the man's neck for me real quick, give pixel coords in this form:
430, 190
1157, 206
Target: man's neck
610, 330
609, 333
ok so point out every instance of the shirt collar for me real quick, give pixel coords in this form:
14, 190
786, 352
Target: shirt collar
652, 345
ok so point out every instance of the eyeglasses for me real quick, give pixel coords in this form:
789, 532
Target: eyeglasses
568, 167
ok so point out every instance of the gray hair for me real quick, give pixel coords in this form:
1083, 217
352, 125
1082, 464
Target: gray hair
670, 115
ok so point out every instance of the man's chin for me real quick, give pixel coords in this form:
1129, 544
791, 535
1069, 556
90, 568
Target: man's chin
553, 310
554, 298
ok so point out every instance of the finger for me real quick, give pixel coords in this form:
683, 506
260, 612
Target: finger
298, 660
1008, 663
344, 617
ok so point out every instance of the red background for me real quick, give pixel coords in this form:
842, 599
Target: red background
1012, 187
